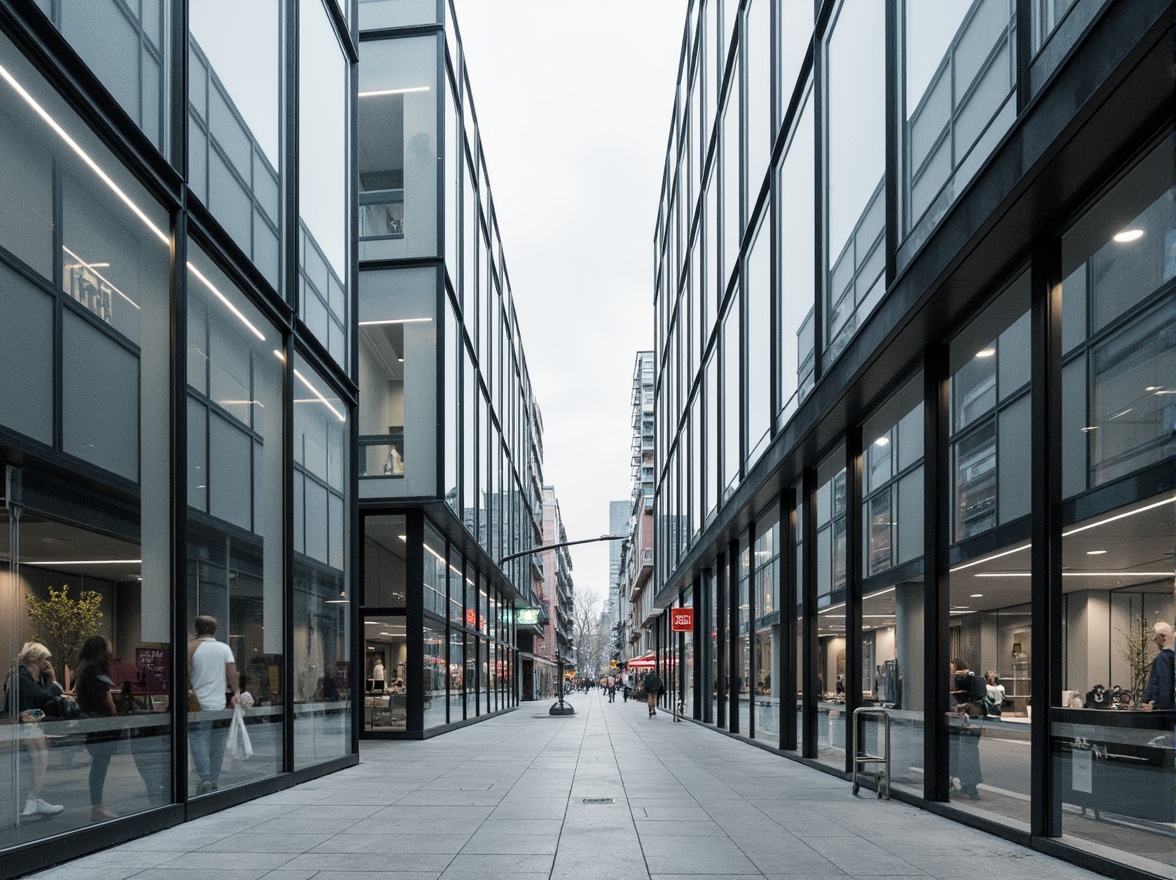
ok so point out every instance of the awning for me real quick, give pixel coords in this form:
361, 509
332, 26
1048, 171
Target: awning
646, 662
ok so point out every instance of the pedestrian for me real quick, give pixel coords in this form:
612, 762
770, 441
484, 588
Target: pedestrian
212, 671
1160, 681
625, 686
967, 694
40, 697
612, 689
95, 692
654, 688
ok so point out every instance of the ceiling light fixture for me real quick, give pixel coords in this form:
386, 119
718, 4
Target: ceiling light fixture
87, 562
404, 91
225, 301
986, 352
1128, 235
319, 395
1095, 552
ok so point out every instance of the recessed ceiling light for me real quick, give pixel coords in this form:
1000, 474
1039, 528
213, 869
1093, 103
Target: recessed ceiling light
1095, 552
1128, 235
881, 441
1089, 428
986, 352
977, 595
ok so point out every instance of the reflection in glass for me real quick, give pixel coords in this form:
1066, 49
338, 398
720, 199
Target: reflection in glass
235, 122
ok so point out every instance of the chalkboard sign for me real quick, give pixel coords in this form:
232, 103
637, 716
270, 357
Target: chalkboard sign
342, 674
154, 664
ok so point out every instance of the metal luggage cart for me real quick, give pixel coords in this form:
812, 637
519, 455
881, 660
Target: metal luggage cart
860, 759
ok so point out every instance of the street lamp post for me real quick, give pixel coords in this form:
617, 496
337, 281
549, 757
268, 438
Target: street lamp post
560, 707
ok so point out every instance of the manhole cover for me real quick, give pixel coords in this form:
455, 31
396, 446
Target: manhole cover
597, 800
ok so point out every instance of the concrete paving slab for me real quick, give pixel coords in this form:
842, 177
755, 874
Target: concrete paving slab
506, 798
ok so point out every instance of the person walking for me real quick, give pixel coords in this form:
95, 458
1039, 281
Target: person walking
612, 689
1159, 691
95, 693
654, 687
967, 696
212, 671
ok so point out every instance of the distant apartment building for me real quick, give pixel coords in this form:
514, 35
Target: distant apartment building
557, 590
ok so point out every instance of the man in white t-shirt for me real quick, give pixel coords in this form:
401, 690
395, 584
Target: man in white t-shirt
212, 671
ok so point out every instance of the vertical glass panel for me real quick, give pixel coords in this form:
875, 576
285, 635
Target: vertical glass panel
989, 434
831, 559
991, 646
960, 80
398, 382
796, 294
235, 101
127, 47
892, 506
322, 581
761, 132
26, 358
741, 687
386, 663
452, 414
856, 164
1047, 15
324, 173
731, 396
758, 287
1112, 770
384, 572
398, 148
436, 674
456, 676
732, 220
1117, 260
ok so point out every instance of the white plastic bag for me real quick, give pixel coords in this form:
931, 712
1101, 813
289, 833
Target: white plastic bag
238, 746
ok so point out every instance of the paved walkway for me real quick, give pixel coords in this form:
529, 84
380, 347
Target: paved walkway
519, 797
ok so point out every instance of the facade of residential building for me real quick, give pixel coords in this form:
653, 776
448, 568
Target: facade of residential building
450, 438
915, 343
177, 406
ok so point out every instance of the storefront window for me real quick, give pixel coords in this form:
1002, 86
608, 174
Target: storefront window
1112, 769
741, 687
435, 675
798, 634
396, 13
386, 663
990, 622
831, 560
766, 653
235, 475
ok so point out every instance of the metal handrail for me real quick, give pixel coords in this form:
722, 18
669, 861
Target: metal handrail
859, 759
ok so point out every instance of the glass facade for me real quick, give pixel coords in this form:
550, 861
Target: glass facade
912, 387
446, 414
175, 534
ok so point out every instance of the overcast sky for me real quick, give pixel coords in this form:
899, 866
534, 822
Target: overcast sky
574, 99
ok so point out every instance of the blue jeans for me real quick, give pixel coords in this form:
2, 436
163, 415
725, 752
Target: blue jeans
208, 749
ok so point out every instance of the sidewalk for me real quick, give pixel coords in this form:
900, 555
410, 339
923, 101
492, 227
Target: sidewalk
520, 797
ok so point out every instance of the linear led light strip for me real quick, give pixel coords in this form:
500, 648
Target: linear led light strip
93, 268
82, 154
118, 191
380, 92
1066, 534
318, 394
396, 321
1077, 574
88, 562
232, 308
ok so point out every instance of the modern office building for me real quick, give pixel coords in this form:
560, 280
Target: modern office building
450, 439
177, 396
618, 524
916, 347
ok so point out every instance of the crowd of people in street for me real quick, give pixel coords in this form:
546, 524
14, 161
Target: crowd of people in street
648, 686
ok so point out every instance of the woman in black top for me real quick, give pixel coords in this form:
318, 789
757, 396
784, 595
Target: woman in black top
95, 696
36, 682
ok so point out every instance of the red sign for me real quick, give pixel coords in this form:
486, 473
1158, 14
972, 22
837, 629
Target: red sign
682, 620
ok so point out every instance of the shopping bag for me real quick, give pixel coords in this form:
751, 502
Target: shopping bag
239, 746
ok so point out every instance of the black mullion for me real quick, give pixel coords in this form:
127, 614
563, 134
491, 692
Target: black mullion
1024, 50
289, 475
58, 270
895, 149
751, 652
176, 117
732, 635
720, 642
786, 593
1046, 559
808, 588
937, 522
820, 279
853, 578
179, 492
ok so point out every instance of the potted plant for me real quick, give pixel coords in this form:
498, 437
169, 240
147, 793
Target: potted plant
62, 623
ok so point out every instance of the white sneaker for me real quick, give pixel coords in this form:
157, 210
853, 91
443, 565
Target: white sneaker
36, 806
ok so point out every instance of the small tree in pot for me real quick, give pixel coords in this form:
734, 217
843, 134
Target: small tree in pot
62, 623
